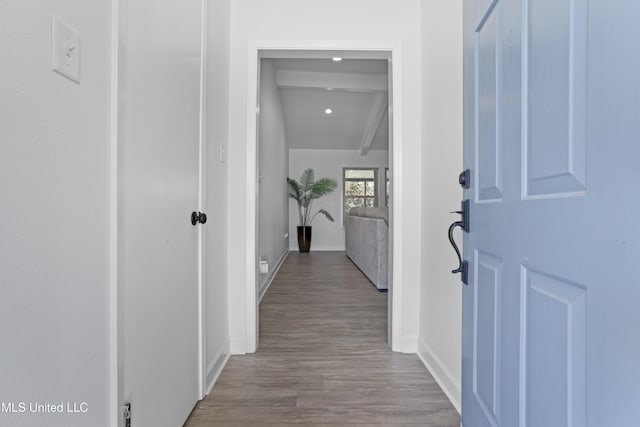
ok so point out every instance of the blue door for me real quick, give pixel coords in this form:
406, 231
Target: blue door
551, 309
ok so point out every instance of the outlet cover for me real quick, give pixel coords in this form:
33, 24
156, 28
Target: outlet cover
264, 267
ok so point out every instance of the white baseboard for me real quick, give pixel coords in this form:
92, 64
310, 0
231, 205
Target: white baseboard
445, 379
410, 344
215, 369
320, 248
272, 275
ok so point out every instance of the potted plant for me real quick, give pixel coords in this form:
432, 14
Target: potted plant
305, 192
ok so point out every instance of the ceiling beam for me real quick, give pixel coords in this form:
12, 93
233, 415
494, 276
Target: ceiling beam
377, 114
351, 82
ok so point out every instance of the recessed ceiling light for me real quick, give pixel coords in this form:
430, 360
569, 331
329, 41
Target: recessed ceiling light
328, 111
336, 59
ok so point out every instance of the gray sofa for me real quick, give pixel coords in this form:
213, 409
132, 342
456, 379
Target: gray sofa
367, 243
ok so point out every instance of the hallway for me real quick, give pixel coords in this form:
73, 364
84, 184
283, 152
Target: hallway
323, 359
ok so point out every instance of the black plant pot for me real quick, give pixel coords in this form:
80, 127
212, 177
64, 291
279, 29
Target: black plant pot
304, 238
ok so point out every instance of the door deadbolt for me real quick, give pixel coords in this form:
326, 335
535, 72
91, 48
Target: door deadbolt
464, 179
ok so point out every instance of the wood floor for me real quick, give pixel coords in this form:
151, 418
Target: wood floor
323, 359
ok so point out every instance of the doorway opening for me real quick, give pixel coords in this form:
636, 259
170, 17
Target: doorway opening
387, 54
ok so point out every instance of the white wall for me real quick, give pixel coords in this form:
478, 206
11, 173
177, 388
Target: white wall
326, 235
352, 20
441, 291
54, 225
216, 189
273, 163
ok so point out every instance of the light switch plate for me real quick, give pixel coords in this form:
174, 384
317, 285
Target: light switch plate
65, 49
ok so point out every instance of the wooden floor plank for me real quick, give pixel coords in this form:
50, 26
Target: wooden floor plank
323, 359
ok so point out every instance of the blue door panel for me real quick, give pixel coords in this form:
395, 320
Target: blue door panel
554, 102
555, 351
486, 382
488, 54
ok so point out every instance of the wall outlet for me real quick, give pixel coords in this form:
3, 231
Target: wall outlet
264, 267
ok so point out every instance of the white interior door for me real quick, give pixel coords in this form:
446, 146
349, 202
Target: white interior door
159, 113
551, 138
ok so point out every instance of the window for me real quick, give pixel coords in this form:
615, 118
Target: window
360, 188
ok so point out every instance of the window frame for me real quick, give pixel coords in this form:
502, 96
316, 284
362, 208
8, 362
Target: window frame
374, 197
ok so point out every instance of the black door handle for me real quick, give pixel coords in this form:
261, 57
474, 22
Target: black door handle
198, 217
463, 266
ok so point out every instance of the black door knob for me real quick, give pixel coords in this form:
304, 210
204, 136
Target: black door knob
198, 217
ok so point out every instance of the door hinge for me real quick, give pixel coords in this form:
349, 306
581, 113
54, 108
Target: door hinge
126, 414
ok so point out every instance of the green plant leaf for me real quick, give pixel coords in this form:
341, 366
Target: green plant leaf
306, 191
295, 192
323, 187
326, 214
323, 212
307, 179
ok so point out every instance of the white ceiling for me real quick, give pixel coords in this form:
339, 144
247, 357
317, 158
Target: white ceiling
355, 89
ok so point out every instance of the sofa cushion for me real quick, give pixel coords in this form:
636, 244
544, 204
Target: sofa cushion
382, 213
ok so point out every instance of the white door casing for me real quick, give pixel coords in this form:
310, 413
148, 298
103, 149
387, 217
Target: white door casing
380, 50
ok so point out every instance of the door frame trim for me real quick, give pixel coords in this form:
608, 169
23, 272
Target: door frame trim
202, 192
114, 348
396, 293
